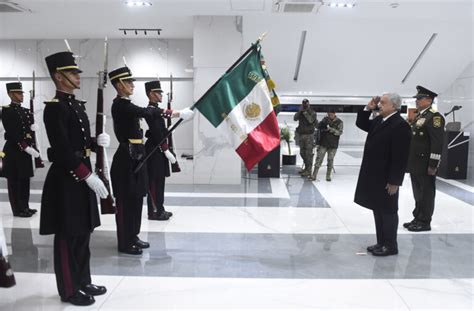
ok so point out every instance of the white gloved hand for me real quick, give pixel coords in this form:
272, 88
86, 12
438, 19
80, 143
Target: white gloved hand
170, 156
94, 182
34, 127
186, 114
32, 152
103, 140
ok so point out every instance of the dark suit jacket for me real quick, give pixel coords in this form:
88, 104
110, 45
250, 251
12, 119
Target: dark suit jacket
384, 161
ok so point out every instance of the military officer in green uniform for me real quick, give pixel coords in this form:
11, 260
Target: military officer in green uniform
425, 154
330, 128
306, 118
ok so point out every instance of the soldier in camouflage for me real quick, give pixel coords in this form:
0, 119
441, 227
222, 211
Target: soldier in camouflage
306, 118
330, 128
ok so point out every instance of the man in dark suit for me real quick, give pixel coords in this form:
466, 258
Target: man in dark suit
69, 203
383, 168
19, 150
425, 155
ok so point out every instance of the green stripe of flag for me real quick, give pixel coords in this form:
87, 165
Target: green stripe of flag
231, 89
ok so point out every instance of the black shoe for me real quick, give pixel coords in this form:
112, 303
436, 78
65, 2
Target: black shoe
418, 226
94, 290
141, 244
32, 211
163, 216
384, 251
23, 214
79, 299
407, 224
132, 250
371, 248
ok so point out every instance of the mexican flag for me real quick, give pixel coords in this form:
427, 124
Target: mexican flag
240, 106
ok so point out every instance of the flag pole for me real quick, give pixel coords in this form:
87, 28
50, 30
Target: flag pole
170, 131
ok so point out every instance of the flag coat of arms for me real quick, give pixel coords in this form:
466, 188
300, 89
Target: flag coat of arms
240, 106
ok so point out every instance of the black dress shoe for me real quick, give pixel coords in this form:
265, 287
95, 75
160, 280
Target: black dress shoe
141, 244
164, 215
32, 211
79, 299
407, 224
384, 251
418, 226
371, 248
23, 214
94, 290
132, 250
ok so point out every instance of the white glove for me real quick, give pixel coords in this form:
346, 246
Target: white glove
32, 152
97, 185
186, 114
103, 140
34, 127
170, 156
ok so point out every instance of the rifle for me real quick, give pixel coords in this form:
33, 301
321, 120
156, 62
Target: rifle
174, 166
107, 205
38, 161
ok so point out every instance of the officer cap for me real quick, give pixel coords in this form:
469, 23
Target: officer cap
153, 86
14, 87
121, 74
424, 92
62, 61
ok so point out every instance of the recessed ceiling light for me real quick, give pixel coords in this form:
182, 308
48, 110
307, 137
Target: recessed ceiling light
138, 3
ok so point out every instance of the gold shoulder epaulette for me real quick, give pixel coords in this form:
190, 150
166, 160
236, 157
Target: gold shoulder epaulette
82, 101
433, 110
54, 100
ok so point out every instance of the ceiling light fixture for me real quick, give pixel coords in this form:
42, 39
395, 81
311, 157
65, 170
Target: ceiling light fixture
340, 5
137, 31
138, 3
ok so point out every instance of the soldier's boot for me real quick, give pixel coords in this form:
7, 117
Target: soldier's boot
315, 173
305, 173
328, 174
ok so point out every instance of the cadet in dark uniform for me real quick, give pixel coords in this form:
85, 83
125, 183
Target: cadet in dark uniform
158, 164
306, 118
425, 155
69, 203
18, 150
129, 188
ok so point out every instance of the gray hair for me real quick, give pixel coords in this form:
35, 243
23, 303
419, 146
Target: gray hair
395, 99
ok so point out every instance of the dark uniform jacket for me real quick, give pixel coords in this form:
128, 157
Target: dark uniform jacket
307, 119
384, 161
68, 205
157, 130
18, 135
426, 142
126, 116
329, 138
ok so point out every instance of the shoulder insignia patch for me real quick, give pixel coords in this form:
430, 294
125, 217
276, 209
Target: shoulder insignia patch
437, 121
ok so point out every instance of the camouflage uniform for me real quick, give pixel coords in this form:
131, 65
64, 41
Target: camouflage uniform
331, 130
305, 131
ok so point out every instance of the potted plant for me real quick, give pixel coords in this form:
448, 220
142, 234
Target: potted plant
285, 134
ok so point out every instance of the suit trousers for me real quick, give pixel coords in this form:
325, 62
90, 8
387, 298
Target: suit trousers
71, 263
18, 194
386, 226
128, 219
156, 194
424, 191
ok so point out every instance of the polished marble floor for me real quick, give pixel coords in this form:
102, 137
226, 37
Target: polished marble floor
270, 244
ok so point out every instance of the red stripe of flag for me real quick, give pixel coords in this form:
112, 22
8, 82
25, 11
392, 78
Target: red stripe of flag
263, 139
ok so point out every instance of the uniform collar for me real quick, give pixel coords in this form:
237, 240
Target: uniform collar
423, 111
64, 96
153, 104
15, 104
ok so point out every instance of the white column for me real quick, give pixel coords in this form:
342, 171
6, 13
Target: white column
217, 45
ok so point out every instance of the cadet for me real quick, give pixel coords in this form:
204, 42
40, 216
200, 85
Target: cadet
306, 118
69, 203
158, 166
425, 155
330, 128
19, 150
